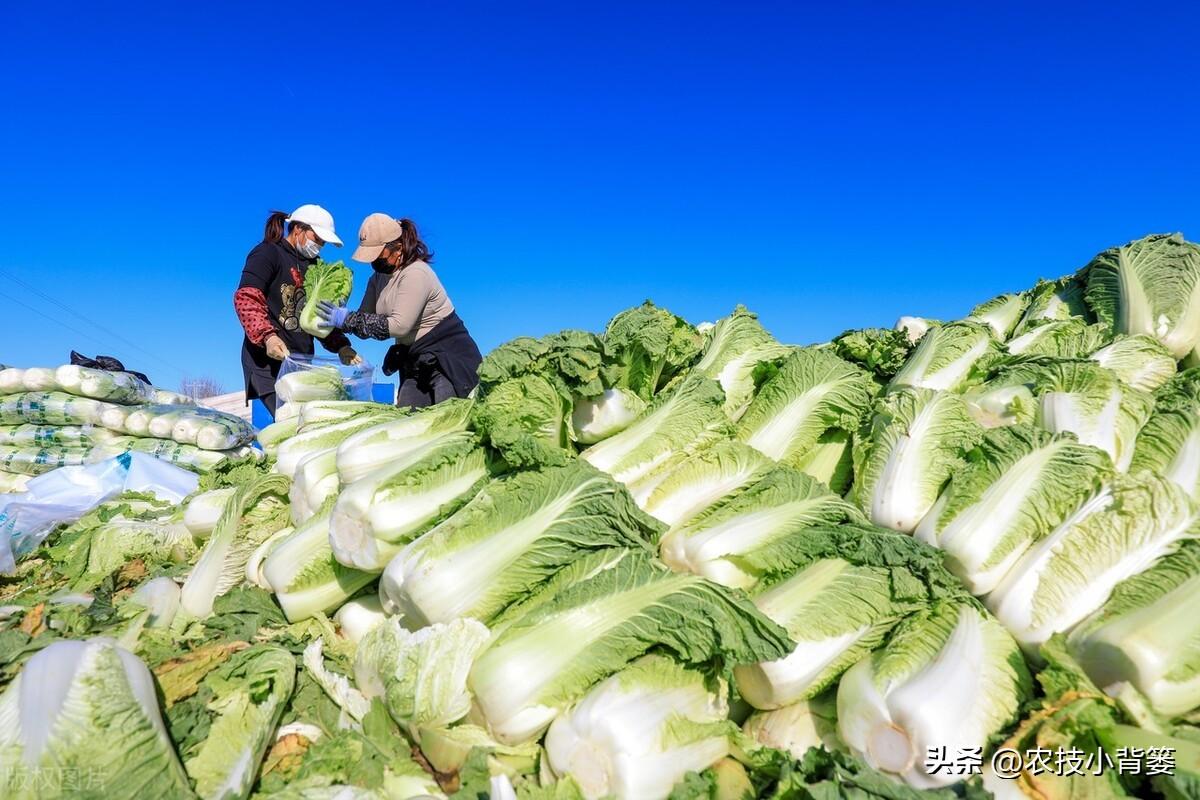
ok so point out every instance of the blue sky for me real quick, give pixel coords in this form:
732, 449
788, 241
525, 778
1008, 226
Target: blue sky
828, 165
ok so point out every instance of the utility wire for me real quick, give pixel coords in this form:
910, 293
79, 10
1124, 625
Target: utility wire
90, 322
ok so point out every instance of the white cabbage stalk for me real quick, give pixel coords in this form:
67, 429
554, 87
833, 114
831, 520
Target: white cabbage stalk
1069, 573
1148, 635
949, 678
356, 618
255, 575
594, 419
370, 449
797, 728
156, 602
160, 598
306, 578
202, 511
1021, 484
315, 481
945, 357
637, 733
698, 482
86, 708
376, 516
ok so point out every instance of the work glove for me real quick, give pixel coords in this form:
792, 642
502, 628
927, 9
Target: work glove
276, 349
334, 316
349, 357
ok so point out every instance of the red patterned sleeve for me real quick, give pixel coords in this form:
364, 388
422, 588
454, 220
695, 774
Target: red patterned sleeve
251, 307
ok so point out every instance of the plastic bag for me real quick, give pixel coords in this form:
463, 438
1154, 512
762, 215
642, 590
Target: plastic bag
303, 378
66, 494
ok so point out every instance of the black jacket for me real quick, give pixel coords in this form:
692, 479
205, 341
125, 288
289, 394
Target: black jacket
451, 344
277, 270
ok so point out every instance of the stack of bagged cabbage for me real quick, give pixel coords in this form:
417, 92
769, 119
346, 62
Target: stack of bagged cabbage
54, 417
662, 561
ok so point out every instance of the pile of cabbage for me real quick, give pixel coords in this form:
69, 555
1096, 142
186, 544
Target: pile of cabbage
54, 417
664, 560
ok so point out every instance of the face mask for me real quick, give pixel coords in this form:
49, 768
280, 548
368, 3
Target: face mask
381, 266
310, 249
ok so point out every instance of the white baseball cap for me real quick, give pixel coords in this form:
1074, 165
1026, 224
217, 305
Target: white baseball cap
317, 218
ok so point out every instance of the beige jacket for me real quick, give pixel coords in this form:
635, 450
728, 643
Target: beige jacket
411, 298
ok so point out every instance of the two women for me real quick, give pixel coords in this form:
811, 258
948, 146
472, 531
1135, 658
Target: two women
270, 297
404, 301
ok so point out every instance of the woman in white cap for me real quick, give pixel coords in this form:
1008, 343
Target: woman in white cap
405, 301
270, 297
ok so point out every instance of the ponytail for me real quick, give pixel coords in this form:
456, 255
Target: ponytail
273, 232
415, 248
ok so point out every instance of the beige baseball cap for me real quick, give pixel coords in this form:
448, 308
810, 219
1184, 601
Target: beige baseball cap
375, 232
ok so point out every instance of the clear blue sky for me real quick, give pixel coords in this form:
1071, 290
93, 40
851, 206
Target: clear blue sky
829, 165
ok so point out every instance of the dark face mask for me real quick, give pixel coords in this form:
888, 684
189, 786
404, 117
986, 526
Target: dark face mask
381, 266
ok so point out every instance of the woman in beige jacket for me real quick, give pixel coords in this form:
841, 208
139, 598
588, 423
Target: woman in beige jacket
433, 351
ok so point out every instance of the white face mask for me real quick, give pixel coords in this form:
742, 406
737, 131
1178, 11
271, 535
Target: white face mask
310, 249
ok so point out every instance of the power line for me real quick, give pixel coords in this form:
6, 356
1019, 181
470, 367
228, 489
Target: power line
92, 323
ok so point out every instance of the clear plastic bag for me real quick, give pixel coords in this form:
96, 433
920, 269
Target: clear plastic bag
66, 494
303, 378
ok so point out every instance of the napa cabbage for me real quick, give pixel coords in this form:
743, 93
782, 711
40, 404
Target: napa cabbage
735, 355
684, 421
948, 357
1148, 634
1001, 313
251, 516
811, 395
1068, 574
86, 710
1140, 361
1169, 443
1081, 397
547, 655
510, 538
916, 441
636, 734
721, 542
1149, 286
1016, 487
838, 591
324, 282
376, 516
301, 570
950, 677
